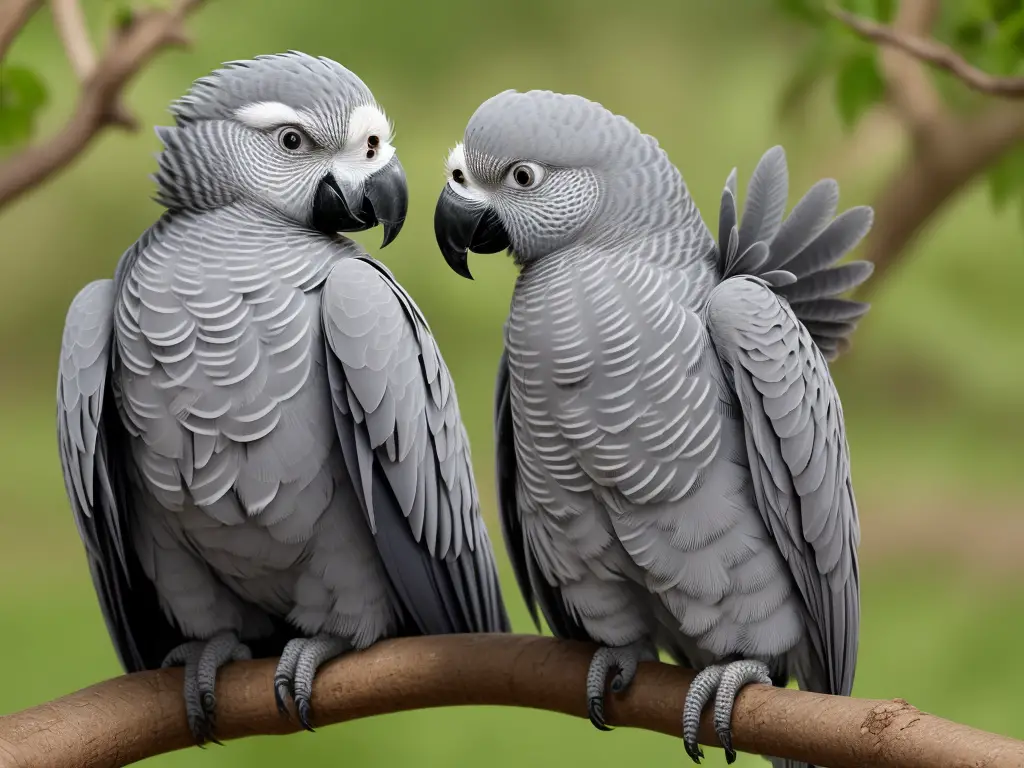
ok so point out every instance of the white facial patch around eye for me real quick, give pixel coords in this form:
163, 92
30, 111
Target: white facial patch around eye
459, 178
365, 121
265, 115
367, 144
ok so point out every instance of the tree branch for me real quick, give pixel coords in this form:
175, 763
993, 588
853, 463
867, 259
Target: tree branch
14, 15
70, 23
958, 151
930, 51
908, 87
946, 150
129, 718
129, 51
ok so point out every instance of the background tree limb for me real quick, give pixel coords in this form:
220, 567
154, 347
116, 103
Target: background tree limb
129, 718
13, 16
98, 107
946, 150
931, 51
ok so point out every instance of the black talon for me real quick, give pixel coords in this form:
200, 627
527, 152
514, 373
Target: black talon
281, 695
595, 709
694, 752
725, 736
302, 705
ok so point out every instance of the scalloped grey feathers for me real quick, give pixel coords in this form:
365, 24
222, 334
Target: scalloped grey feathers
797, 256
257, 430
671, 455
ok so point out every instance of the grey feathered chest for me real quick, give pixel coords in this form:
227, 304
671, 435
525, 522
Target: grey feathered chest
220, 379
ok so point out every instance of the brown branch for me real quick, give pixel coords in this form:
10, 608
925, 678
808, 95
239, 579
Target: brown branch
14, 15
932, 52
946, 150
130, 718
958, 150
70, 23
149, 32
909, 89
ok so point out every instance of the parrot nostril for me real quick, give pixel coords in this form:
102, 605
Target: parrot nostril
369, 154
458, 176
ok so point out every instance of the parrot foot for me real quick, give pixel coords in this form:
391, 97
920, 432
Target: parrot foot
624, 659
202, 659
299, 662
724, 682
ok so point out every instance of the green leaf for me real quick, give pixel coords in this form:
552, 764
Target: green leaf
22, 95
859, 85
1006, 179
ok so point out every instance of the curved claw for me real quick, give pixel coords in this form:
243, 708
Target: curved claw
595, 710
281, 695
305, 713
723, 683
299, 662
725, 736
694, 751
623, 660
202, 660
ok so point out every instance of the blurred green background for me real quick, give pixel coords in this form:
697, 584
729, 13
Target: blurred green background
933, 391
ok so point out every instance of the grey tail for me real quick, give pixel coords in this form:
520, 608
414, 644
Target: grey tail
778, 762
797, 256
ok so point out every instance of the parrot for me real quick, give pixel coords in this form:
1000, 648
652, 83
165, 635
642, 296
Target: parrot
260, 441
672, 469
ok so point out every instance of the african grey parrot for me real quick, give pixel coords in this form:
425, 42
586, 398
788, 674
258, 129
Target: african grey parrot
672, 466
260, 440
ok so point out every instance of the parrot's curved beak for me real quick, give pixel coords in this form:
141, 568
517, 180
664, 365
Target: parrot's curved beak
382, 199
462, 225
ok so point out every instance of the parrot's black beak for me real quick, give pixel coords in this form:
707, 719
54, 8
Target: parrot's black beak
384, 200
462, 225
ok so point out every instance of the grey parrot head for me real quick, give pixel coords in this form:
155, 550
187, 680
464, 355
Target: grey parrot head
539, 171
299, 136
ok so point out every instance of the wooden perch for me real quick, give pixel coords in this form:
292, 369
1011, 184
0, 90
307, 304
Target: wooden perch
103, 81
947, 151
130, 718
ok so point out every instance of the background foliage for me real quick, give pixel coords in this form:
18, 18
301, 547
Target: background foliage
933, 392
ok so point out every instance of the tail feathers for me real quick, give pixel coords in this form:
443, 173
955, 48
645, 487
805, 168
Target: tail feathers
797, 255
778, 762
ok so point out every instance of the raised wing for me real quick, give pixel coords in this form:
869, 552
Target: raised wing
92, 454
797, 256
407, 451
799, 459
534, 588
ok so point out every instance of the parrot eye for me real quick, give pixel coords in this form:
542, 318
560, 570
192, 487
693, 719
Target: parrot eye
292, 139
373, 141
525, 175
458, 176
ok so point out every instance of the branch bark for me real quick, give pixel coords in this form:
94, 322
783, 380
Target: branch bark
946, 150
130, 718
931, 51
98, 105
74, 36
13, 17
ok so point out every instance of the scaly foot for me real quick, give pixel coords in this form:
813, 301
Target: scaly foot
202, 659
724, 683
624, 659
300, 660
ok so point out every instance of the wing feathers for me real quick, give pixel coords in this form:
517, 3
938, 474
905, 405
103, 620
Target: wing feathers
799, 459
406, 448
